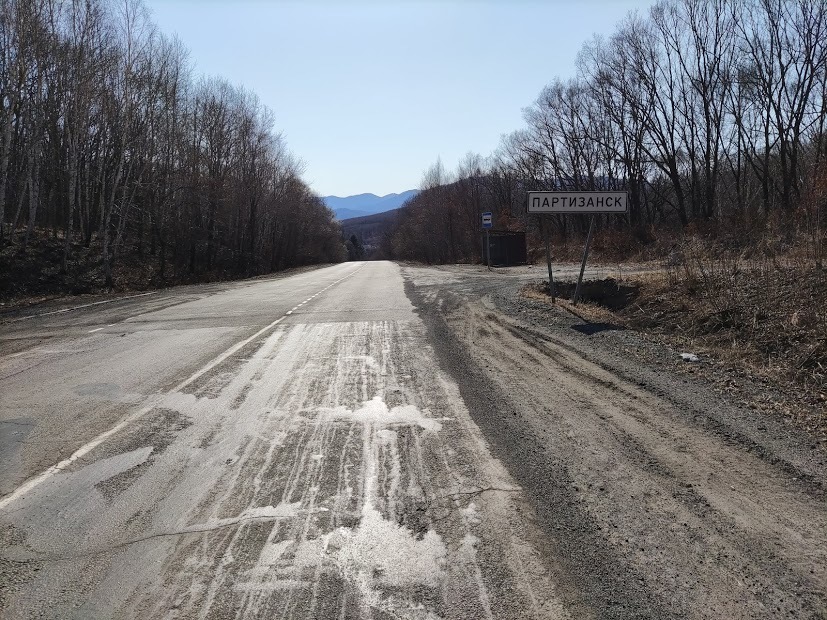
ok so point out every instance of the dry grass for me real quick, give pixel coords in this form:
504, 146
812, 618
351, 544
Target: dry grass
773, 316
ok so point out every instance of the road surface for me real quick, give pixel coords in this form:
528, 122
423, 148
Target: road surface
284, 449
351, 443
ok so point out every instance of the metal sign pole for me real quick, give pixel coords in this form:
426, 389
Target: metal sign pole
488, 249
583, 265
487, 223
544, 228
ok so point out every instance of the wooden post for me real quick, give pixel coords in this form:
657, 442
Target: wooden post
544, 228
583, 264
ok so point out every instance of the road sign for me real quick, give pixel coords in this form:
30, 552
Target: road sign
577, 202
487, 220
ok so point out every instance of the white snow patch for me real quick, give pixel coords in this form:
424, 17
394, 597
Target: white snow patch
470, 514
690, 357
270, 554
382, 551
309, 553
375, 411
282, 511
469, 545
387, 436
378, 553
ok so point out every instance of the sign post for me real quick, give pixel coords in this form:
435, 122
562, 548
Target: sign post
548, 259
576, 202
487, 223
583, 264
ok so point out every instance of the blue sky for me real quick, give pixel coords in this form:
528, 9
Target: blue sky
368, 94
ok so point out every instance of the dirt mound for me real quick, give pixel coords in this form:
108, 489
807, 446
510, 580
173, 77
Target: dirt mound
608, 292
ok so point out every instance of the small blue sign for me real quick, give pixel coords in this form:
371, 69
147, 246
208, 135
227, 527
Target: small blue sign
487, 220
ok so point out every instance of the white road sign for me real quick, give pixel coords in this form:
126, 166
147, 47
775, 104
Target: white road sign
577, 202
487, 221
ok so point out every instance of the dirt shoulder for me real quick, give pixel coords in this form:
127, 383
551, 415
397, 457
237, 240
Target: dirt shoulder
661, 492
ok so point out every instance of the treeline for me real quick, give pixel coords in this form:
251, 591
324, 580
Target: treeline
109, 144
710, 113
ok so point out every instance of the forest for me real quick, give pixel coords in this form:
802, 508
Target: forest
709, 113
116, 159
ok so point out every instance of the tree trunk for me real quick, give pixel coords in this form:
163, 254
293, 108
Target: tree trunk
5, 152
70, 216
34, 201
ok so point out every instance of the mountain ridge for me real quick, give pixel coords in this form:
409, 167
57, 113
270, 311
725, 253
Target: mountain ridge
361, 205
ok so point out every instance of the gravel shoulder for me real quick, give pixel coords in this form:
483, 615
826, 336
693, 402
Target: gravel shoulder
661, 492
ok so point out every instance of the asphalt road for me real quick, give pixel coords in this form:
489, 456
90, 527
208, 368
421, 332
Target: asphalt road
371, 440
283, 448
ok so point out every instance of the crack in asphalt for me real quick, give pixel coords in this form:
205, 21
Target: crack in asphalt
479, 492
115, 547
239, 521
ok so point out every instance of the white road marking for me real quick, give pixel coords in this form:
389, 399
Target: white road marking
94, 443
92, 331
96, 303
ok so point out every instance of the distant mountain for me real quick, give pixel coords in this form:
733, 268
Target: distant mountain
346, 214
366, 204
